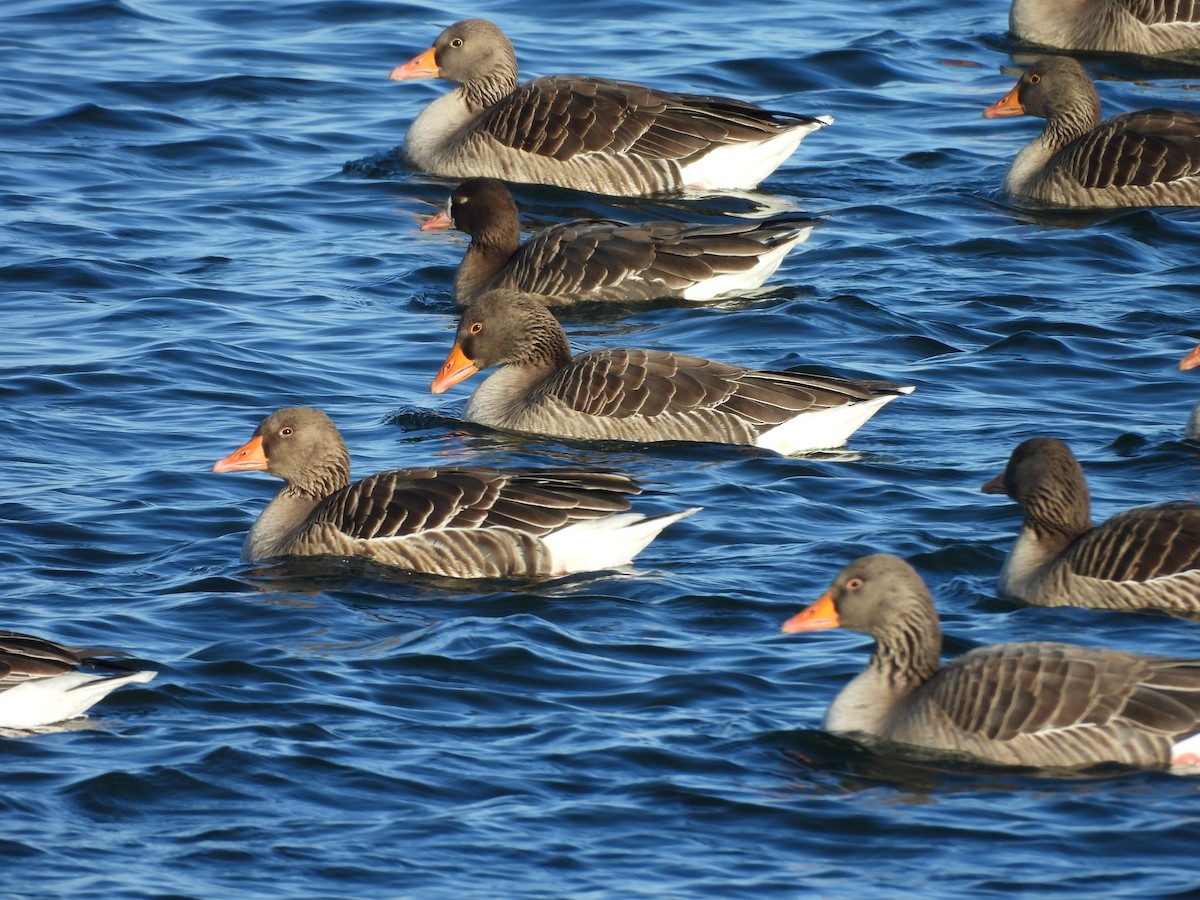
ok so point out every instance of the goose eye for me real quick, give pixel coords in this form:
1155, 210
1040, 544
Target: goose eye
285, 432
1034, 79
854, 584
457, 42
476, 327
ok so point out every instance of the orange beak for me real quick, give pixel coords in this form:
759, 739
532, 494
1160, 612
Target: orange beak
995, 486
245, 458
1191, 360
456, 368
815, 617
439, 221
1008, 105
422, 66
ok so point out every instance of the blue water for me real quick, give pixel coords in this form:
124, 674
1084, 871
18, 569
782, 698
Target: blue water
183, 252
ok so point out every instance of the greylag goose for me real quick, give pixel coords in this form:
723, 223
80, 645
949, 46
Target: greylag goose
1028, 704
458, 522
1192, 432
601, 259
1145, 158
641, 395
1143, 558
1108, 26
591, 134
42, 682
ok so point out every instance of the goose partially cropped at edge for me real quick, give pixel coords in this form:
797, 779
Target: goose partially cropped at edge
1145, 158
43, 682
1143, 558
1148, 27
1024, 704
602, 259
623, 394
1191, 361
592, 134
454, 521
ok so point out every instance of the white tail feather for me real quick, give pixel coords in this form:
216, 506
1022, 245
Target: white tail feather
824, 429
606, 543
742, 166
738, 283
43, 701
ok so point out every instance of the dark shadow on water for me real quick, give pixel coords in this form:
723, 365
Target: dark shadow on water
839, 764
1132, 67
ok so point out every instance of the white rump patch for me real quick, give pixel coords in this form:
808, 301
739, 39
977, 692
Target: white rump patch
606, 543
823, 429
742, 166
43, 701
738, 283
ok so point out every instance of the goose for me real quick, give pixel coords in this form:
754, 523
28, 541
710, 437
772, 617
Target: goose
602, 259
454, 521
1145, 158
1022, 704
641, 395
591, 134
1108, 26
1192, 432
43, 682
1143, 558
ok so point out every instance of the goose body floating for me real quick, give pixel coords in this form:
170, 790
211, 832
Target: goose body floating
1145, 158
591, 134
1143, 558
603, 259
1025, 704
623, 394
1148, 27
454, 521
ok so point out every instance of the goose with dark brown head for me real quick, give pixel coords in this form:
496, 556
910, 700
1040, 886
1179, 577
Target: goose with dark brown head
1108, 26
1025, 704
622, 394
591, 134
603, 259
1145, 158
453, 521
1143, 558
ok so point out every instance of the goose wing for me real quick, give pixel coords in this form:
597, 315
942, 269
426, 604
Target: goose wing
405, 502
564, 116
1136, 149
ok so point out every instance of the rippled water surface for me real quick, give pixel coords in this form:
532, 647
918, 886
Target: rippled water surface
202, 223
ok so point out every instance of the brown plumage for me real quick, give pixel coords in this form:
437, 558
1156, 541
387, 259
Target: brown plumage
456, 521
641, 395
1120, 26
585, 133
602, 259
1143, 558
1028, 704
1145, 158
